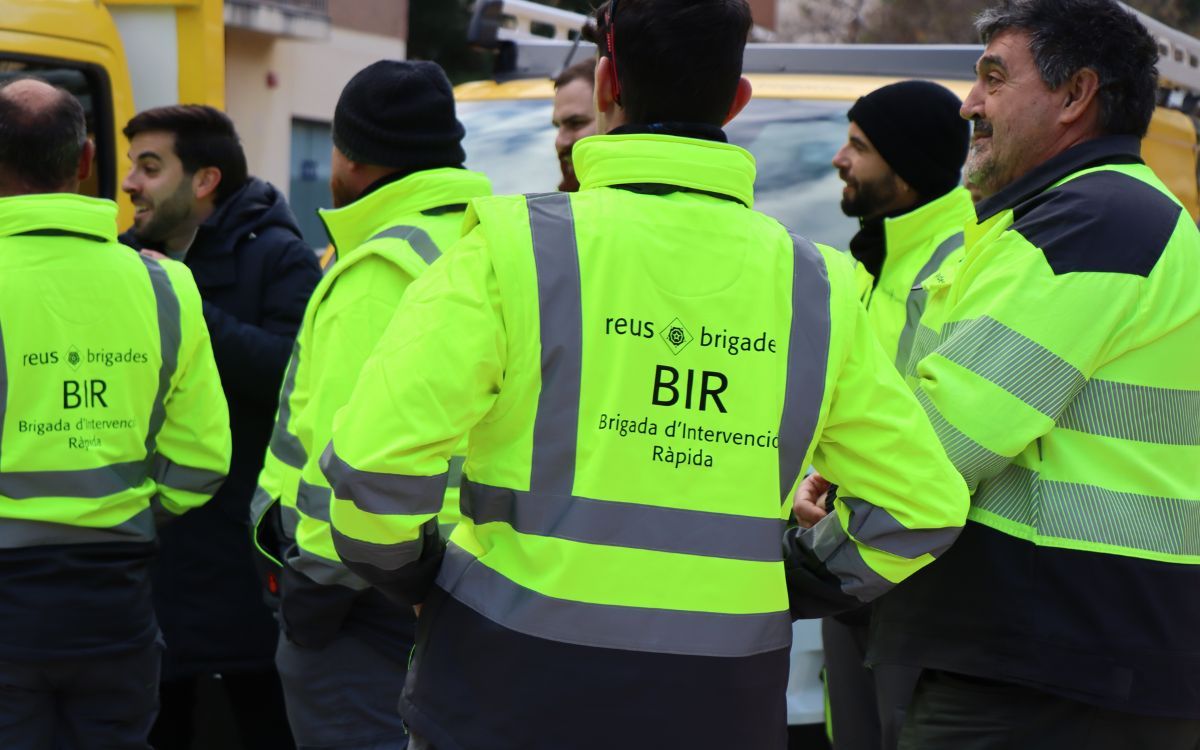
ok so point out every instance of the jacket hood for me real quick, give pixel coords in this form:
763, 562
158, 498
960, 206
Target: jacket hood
253, 209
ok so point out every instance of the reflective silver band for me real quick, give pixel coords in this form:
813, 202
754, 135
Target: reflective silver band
631, 525
383, 494
387, 557
1087, 513
323, 571
971, 459
843, 559
284, 445
313, 500
16, 533
875, 527
915, 305
808, 358
924, 344
1161, 416
1010, 360
416, 237
555, 430
83, 483
661, 631
186, 478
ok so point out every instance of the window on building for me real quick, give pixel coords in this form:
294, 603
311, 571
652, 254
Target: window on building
309, 187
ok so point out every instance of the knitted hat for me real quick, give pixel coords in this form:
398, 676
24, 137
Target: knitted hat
916, 128
399, 114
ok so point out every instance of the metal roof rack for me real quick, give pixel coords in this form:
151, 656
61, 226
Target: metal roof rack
534, 40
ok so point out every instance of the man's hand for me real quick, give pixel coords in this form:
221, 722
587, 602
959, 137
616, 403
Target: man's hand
809, 503
156, 255
417, 610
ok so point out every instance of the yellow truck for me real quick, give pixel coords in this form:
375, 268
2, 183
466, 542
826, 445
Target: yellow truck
117, 57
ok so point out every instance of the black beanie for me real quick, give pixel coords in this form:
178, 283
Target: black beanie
399, 114
916, 128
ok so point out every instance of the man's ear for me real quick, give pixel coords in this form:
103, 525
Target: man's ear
205, 182
605, 83
740, 99
1080, 90
86, 156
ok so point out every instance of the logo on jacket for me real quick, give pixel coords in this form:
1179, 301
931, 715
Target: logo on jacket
677, 336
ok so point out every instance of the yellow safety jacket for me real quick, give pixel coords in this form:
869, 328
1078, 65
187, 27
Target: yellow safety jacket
1060, 366
385, 240
919, 243
645, 367
111, 411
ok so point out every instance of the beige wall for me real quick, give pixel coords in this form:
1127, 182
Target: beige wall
308, 76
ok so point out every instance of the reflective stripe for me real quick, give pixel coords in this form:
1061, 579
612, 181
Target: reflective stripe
416, 237
661, 631
1161, 416
971, 459
555, 429
85, 483
323, 571
186, 478
808, 358
875, 527
383, 494
260, 502
289, 520
170, 337
632, 525
915, 305
456, 471
387, 557
1086, 513
17, 533
829, 543
1010, 360
925, 343
284, 445
313, 500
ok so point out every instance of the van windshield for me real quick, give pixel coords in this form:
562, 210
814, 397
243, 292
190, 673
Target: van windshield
793, 141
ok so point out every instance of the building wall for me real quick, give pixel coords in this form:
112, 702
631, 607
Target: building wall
270, 81
765, 12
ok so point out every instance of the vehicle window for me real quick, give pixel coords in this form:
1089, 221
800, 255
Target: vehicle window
792, 141
90, 86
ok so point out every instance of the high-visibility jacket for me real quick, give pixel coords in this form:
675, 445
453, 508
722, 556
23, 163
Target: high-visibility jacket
1060, 366
385, 240
646, 368
919, 243
112, 418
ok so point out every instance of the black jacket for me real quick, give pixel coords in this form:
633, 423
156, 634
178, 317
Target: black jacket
255, 275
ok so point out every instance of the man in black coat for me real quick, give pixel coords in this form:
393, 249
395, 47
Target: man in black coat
196, 203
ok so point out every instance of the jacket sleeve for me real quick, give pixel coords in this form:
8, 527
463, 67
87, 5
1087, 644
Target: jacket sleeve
1018, 344
347, 327
193, 446
899, 504
261, 351
434, 375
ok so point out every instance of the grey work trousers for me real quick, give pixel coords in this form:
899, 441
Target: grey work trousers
344, 696
106, 703
866, 706
956, 712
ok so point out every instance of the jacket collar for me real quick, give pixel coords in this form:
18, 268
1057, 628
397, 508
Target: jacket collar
59, 213
1109, 149
923, 224
700, 165
354, 224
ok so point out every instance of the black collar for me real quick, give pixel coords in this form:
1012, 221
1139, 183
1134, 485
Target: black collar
1109, 149
699, 130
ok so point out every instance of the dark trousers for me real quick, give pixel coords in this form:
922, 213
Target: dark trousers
255, 700
866, 706
83, 704
955, 712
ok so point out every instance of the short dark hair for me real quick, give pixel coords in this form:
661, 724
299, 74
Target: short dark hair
676, 60
40, 147
584, 70
204, 137
1067, 36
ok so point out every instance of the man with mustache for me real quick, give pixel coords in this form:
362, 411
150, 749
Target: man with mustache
902, 165
574, 116
196, 203
1059, 365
